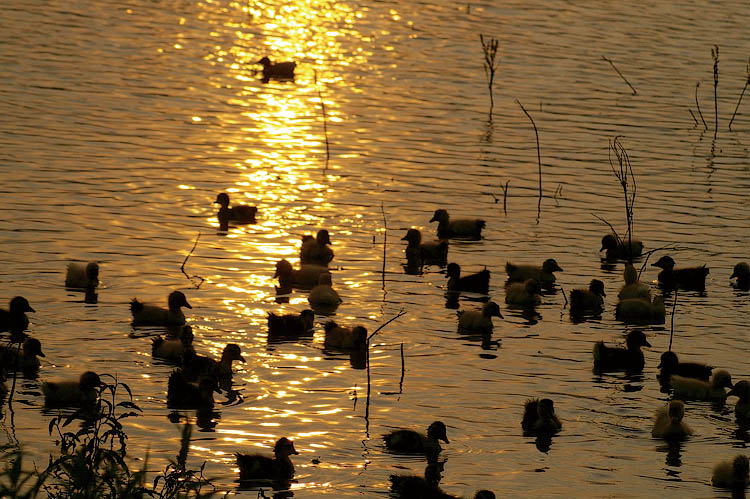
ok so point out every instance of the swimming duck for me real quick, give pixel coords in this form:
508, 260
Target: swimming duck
473, 283
523, 294
290, 324
412, 442
638, 311
278, 70
742, 407
617, 249
182, 394
323, 296
670, 365
195, 366
315, 250
242, 214
539, 417
434, 252
79, 275
345, 337
621, 359
691, 278
305, 278
27, 359
153, 315
668, 423
470, 321
79, 393
544, 273
742, 273
733, 474
276, 468
697, 389
172, 349
633, 288
462, 228
588, 300
14, 319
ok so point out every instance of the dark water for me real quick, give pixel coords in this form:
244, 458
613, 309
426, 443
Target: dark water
119, 123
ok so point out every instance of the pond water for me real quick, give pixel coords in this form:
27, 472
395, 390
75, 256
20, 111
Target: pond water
121, 121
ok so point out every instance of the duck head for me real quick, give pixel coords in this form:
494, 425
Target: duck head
177, 299
19, 305
440, 216
413, 236
222, 199
664, 262
550, 265
284, 447
437, 431
597, 287
491, 309
637, 339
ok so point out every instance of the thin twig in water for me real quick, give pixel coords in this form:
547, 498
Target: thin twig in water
715, 55
182, 267
505, 196
696, 121
648, 255
403, 370
564, 296
626, 177
325, 118
489, 48
747, 82
621, 75
671, 331
385, 239
538, 155
614, 232
697, 104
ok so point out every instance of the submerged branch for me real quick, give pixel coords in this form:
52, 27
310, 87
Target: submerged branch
621, 75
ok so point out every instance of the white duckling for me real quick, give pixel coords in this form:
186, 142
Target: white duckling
523, 294
475, 321
465, 228
668, 423
633, 288
323, 296
742, 407
638, 311
543, 273
697, 389
79, 393
79, 275
733, 474
153, 315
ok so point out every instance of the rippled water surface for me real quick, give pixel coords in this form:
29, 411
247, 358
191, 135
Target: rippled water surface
121, 121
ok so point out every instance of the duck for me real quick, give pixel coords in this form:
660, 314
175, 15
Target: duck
278, 70
696, 389
734, 474
14, 319
690, 278
25, 359
523, 294
153, 315
412, 442
276, 468
81, 393
290, 324
621, 359
619, 249
742, 273
633, 288
475, 321
181, 394
241, 214
741, 389
639, 311
472, 283
323, 296
79, 275
173, 349
539, 417
345, 337
461, 228
669, 364
315, 250
305, 278
195, 366
415, 486
432, 252
668, 423
544, 273
588, 300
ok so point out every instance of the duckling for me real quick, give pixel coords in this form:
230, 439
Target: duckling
27, 359
473, 283
276, 468
588, 300
182, 394
153, 315
278, 70
742, 407
79, 275
638, 311
14, 319
742, 273
79, 393
633, 288
670, 365
733, 474
315, 250
691, 278
305, 278
323, 296
345, 337
618, 249
543, 274
523, 294
415, 486
473, 321
696, 389
462, 228
435, 252
242, 214
539, 417
195, 366
621, 359
172, 349
668, 423
290, 324
412, 442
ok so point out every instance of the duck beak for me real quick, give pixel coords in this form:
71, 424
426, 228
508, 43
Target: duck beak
405, 239
603, 248
241, 358
29, 309
41, 354
659, 366
294, 451
732, 392
445, 439
187, 304
500, 315
646, 343
433, 219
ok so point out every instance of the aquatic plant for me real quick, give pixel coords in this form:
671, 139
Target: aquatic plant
489, 47
747, 82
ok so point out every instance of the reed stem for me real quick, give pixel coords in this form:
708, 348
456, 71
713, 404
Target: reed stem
621, 75
747, 82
